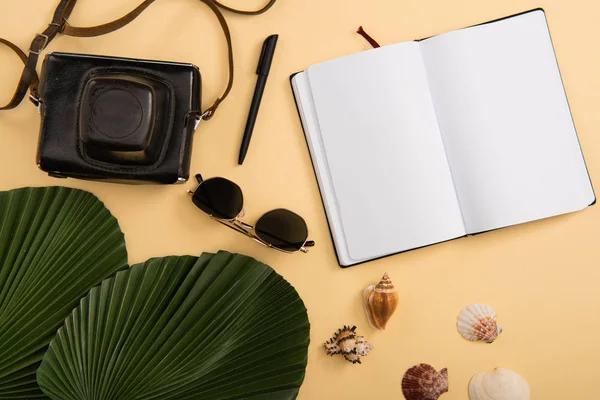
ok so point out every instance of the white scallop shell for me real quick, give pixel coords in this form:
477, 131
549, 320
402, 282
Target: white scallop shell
478, 322
499, 384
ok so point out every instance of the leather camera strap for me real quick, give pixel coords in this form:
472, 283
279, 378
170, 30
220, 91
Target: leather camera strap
29, 78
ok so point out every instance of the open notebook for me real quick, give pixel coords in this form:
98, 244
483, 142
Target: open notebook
422, 142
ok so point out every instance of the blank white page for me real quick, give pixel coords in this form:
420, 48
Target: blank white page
506, 123
319, 159
390, 178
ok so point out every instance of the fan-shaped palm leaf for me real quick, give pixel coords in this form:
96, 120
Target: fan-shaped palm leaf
216, 327
55, 245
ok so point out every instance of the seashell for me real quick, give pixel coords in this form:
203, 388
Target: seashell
380, 302
347, 343
478, 322
354, 358
499, 384
362, 346
423, 382
342, 342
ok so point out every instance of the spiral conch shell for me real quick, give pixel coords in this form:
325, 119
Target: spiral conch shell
499, 384
380, 302
478, 322
346, 342
423, 382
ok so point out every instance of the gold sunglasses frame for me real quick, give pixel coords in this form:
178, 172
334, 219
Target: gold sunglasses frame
247, 229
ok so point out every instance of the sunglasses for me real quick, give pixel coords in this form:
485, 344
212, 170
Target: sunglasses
279, 229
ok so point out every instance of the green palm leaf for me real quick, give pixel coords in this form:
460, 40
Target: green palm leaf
55, 245
215, 327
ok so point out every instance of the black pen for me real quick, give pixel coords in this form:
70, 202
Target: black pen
264, 66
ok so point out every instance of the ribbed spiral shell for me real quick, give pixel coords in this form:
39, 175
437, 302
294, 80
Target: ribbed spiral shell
380, 302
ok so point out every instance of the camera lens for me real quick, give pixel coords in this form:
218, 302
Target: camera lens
117, 113
125, 119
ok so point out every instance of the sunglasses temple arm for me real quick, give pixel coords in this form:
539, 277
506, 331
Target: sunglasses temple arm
234, 226
308, 243
241, 228
245, 225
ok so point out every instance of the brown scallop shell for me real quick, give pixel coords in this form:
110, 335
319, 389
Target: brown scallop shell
380, 302
423, 382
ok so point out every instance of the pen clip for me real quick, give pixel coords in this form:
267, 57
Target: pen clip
266, 55
261, 59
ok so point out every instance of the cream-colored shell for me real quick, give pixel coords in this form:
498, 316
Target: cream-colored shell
498, 384
380, 301
478, 322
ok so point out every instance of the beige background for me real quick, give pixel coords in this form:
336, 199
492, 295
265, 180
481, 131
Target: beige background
542, 278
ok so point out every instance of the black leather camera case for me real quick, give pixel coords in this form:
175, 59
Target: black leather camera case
117, 119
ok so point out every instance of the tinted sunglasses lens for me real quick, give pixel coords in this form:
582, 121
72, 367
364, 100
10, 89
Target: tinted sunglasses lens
219, 197
282, 229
